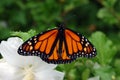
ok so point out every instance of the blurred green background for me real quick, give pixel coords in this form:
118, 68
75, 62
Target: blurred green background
98, 20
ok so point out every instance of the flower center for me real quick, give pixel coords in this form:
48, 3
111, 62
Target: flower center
29, 74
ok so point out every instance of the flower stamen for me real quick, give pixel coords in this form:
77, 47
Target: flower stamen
28, 72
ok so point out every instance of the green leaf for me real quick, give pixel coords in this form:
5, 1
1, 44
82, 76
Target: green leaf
118, 78
24, 35
105, 73
107, 16
18, 17
70, 5
4, 32
85, 74
117, 66
105, 48
109, 3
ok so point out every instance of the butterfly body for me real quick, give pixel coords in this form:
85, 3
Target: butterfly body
58, 46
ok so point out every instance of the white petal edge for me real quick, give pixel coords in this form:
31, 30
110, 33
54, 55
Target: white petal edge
7, 72
9, 52
49, 75
9, 48
94, 78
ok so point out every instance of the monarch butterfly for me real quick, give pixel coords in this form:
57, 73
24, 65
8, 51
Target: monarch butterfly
58, 46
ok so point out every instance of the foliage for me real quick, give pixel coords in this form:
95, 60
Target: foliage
106, 49
97, 19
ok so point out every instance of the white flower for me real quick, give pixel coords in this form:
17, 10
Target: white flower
94, 78
16, 67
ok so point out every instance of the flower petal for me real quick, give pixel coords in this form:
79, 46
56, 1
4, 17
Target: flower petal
49, 75
7, 72
41, 65
94, 78
8, 49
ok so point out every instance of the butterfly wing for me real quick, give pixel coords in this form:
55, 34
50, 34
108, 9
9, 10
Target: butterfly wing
40, 45
73, 45
52, 48
59, 57
78, 45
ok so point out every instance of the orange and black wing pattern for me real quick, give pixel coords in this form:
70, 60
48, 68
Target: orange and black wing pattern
58, 46
78, 45
39, 45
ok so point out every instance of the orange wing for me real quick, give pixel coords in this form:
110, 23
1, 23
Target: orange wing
59, 57
39, 45
78, 45
58, 46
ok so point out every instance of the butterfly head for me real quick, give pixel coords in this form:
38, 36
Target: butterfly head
60, 26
